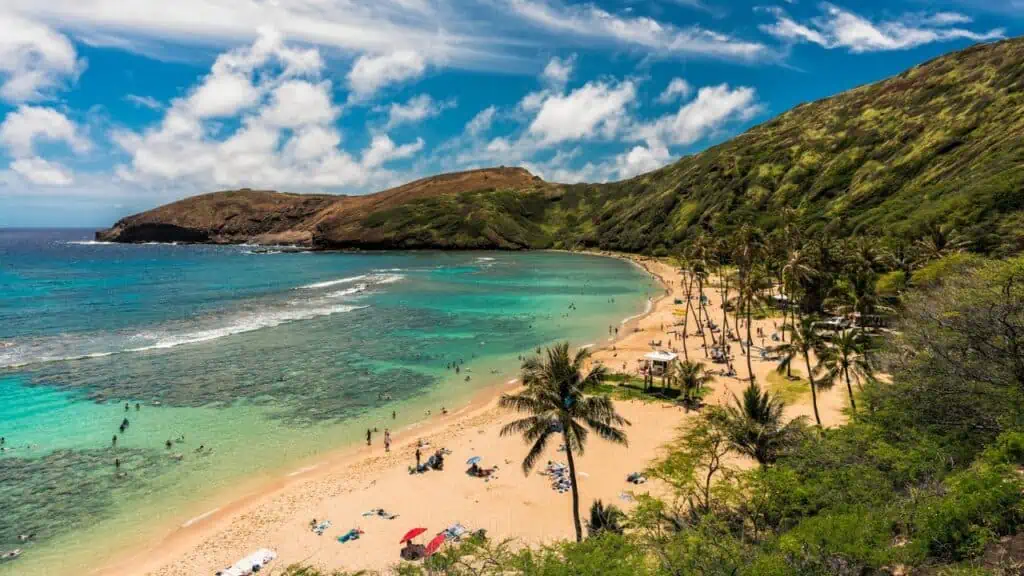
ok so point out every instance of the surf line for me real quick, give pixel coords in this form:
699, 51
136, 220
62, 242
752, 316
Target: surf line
201, 517
303, 470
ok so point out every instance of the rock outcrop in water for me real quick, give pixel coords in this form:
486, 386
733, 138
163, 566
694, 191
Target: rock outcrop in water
936, 147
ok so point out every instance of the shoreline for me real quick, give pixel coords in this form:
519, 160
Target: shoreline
178, 537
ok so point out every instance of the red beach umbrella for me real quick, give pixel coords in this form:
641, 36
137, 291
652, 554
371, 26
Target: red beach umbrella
435, 544
412, 534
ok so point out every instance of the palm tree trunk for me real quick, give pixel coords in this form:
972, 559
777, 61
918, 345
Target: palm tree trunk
575, 491
853, 403
750, 367
814, 391
686, 316
725, 318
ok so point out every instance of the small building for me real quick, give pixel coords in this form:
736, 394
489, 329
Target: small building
659, 361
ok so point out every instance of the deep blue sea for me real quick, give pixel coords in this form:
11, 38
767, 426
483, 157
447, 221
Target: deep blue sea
265, 357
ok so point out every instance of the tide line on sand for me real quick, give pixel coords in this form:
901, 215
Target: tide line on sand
201, 517
303, 470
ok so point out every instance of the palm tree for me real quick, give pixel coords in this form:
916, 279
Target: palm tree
755, 427
604, 519
686, 269
748, 251
804, 340
797, 271
691, 378
846, 358
555, 401
940, 241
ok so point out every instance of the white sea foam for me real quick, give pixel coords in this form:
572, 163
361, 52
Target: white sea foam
89, 243
347, 292
329, 283
63, 350
242, 324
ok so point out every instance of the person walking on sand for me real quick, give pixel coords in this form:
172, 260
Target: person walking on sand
368, 436
418, 454
387, 440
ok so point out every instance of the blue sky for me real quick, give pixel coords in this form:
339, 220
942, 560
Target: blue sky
109, 107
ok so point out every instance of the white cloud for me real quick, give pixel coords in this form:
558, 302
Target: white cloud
286, 135
298, 103
587, 21
372, 73
42, 172
383, 150
344, 25
714, 107
597, 108
558, 71
640, 159
144, 101
26, 126
838, 28
677, 89
417, 109
34, 59
481, 123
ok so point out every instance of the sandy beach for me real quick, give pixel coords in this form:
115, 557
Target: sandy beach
342, 486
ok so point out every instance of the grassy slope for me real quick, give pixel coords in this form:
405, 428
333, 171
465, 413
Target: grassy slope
940, 143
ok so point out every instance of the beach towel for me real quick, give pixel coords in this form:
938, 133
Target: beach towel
322, 527
352, 534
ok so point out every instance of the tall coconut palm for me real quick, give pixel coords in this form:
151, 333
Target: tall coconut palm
804, 339
797, 271
686, 269
691, 378
846, 358
555, 402
751, 290
755, 425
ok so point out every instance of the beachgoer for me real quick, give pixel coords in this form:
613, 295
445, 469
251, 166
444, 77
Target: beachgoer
387, 440
394, 415
125, 406
3, 440
113, 441
138, 406
367, 436
417, 458
117, 463
168, 444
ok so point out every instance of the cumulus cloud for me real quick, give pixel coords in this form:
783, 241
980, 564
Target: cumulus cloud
415, 110
26, 127
587, 21
42, 172
677, 89
371, 73
558, 71
482, 122
286, 135
596, 108
709, 111
34, 59
839, 28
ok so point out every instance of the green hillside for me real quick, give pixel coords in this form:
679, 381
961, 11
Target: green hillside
939, 144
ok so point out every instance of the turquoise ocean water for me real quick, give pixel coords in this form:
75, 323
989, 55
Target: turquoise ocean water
264, 357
